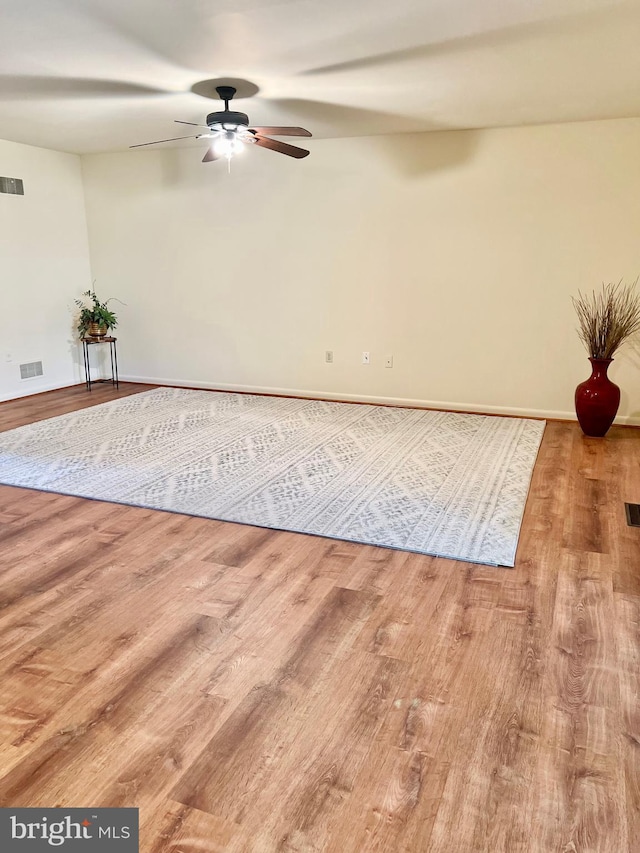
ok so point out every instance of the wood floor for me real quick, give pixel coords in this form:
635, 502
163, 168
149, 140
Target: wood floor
252, 690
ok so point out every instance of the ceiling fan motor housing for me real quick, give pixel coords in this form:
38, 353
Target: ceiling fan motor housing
227, 117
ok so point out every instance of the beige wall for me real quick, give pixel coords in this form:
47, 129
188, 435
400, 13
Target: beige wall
456, 253
44, 262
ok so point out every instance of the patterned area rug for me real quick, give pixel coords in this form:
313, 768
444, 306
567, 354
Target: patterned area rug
452, 485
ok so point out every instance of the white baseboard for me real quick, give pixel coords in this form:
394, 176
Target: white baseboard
362, 398
447, 405
41, 389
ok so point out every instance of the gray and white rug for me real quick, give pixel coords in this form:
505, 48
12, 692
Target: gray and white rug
453, 485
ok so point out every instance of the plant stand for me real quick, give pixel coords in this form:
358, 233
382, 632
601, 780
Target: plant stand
86, 343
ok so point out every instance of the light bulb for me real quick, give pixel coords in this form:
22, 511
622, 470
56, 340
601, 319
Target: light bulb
227, 145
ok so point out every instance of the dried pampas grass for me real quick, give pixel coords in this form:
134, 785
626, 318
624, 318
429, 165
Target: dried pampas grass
608, 318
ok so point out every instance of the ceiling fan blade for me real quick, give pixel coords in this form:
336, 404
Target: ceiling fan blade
210, 155
281, 147
172, 139
282, 131
192, 123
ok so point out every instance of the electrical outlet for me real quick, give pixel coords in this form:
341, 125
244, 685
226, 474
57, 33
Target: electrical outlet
388, 362
328, 356
365, 358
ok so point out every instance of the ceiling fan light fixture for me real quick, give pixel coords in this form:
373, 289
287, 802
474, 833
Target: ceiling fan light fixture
227, 145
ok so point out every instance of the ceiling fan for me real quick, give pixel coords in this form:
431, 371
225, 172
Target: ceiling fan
230, 132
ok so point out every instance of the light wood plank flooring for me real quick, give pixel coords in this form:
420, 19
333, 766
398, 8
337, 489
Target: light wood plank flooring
251, 690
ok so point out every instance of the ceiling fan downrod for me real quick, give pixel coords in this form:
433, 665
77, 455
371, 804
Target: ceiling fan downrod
226, 94
227, 119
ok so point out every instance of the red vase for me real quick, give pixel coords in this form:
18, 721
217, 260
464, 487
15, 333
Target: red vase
597, 399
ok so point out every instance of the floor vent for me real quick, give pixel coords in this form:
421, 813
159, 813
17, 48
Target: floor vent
31, 370
13, 186
633, 514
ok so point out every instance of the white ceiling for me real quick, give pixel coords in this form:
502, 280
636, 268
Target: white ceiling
99, 75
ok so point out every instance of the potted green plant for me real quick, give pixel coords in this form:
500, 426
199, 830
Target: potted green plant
95, 319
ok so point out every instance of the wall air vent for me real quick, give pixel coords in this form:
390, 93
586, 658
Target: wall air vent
13, 186
633, 514
31, 370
